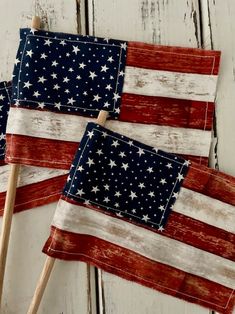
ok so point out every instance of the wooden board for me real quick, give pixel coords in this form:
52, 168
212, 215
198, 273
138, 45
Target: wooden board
71, 287
162, 22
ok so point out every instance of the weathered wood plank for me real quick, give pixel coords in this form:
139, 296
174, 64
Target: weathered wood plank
70, 287
221, 35
161, 22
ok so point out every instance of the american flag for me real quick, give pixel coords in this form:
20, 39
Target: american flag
150, 217
36, 186
161, 96
5, 100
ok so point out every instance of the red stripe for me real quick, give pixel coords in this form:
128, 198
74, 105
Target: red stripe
175, 59
40, 152
211, 182
36, 194
49, 153
135, 267
166, 111
187, 230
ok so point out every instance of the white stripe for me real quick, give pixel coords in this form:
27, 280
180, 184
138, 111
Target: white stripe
66, 127
206, 209
170, 84
154, 246
28, 175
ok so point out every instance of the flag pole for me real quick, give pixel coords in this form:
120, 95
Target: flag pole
10, 203
49, 263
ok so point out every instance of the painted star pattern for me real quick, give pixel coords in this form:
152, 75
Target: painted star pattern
81, 73
124, 177
5, 97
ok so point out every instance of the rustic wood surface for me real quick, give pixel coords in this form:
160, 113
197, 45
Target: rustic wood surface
187, 23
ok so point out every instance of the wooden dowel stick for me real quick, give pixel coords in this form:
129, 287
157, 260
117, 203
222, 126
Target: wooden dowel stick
41, 285
9, 204
7, 219
48, 266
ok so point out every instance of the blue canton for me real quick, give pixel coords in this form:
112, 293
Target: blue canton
5, 97
125, 177
69, 73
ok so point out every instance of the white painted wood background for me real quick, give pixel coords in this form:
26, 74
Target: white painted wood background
188, 23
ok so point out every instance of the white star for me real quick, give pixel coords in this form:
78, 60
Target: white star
33, 30
41, 79
86, 202
76, 49
106, 186
41, 105
175, 195
95, 189
85, 93
104, 68
17, 61
130, 143
29, 53
58, 105
186, 163
125, 166
122, 154
1, 106
90, 162
62, 43
96, 98
145, 218
150, 169
106, 200
121, 73
47, 42
108, 87
80, 192
43, 56
161, 228
161, 207
36, 94
2, 136
115, 143
117, 110
27, 84
78, 77
80, 168
151, 194
90, 134
132, 195
71, 70
71, 101
54, 75
104, 134
140, 152
180, 177
68, 179
163, 181
106, 104
118, 194
66, 80
112, 163
56, 86
116, 205
82, 65
169, 165
116, 96
92, 75
110, 59
133, 211
141, 185
99, 152
54, 63
123, 46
